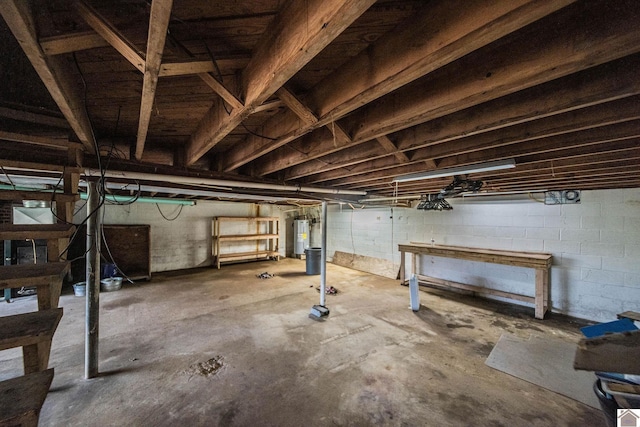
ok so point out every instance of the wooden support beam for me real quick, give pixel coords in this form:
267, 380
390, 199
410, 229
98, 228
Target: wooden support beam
295, 105
391, 148
53, 72
74, 42
219, 88
30, 117
296, 35
158, 25
443, 32
47, 141
111, 35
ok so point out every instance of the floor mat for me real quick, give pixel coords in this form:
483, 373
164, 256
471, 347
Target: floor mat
545, 362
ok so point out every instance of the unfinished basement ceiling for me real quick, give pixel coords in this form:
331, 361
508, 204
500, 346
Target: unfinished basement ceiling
342, 94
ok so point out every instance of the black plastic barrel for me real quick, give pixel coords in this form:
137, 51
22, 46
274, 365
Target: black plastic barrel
314, 258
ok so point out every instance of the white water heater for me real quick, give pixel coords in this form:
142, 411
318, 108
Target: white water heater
301, 236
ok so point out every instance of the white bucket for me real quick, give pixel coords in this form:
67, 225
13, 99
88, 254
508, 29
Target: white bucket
80, 289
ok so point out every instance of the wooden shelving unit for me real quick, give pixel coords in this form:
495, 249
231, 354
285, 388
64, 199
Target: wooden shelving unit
264, 231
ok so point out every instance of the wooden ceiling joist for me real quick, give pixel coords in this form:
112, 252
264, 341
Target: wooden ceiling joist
440, 34
35, 118
461, 85
594, 86
73, 42
52, 71
296, 35
111, 34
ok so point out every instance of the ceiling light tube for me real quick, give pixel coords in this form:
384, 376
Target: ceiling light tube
460, 170
115, 198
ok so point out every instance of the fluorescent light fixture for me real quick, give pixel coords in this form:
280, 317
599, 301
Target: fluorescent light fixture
126, 199
461, 170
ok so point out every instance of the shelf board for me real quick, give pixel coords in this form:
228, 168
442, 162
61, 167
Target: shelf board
246, 218
247, 255
246, 237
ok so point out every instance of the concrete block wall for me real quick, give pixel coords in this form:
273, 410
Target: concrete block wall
595, 245
186, 241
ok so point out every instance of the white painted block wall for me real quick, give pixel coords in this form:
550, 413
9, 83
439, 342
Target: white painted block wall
186, 241
595, 245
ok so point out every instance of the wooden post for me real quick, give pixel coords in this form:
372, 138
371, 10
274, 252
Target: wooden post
93, 284
542, 292
402, 267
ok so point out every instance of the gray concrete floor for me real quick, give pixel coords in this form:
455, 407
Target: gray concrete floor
372, 362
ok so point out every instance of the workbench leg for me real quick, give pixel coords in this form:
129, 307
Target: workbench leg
542, 292
402, 275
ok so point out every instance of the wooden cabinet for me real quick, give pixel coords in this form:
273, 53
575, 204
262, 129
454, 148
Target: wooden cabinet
244, 238
128, 246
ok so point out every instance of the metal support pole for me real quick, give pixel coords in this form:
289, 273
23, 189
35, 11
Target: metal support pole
93, 284
323, 256
319, 311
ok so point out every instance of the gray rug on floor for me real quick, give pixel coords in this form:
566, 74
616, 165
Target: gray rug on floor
545, 362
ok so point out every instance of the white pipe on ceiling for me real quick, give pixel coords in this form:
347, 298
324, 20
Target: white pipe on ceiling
220, 182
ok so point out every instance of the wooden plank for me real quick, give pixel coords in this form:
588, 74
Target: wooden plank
238, 237
246, 255
449, 284
219, 88
9, 274
35, 231
127, 49
391, 148
542, 292
184, 68
610, 353
54, 73
68, 43
372, 265
30, 117
246, 218
443, 32
512, 258
633, 315
25, 329
21, 398
158, 25
296, 35
295, 105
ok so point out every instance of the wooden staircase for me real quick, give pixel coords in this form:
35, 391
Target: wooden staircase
22, 397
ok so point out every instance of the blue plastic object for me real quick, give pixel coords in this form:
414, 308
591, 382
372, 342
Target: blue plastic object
622, 325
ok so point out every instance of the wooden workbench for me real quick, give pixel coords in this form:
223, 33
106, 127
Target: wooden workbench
540, 262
